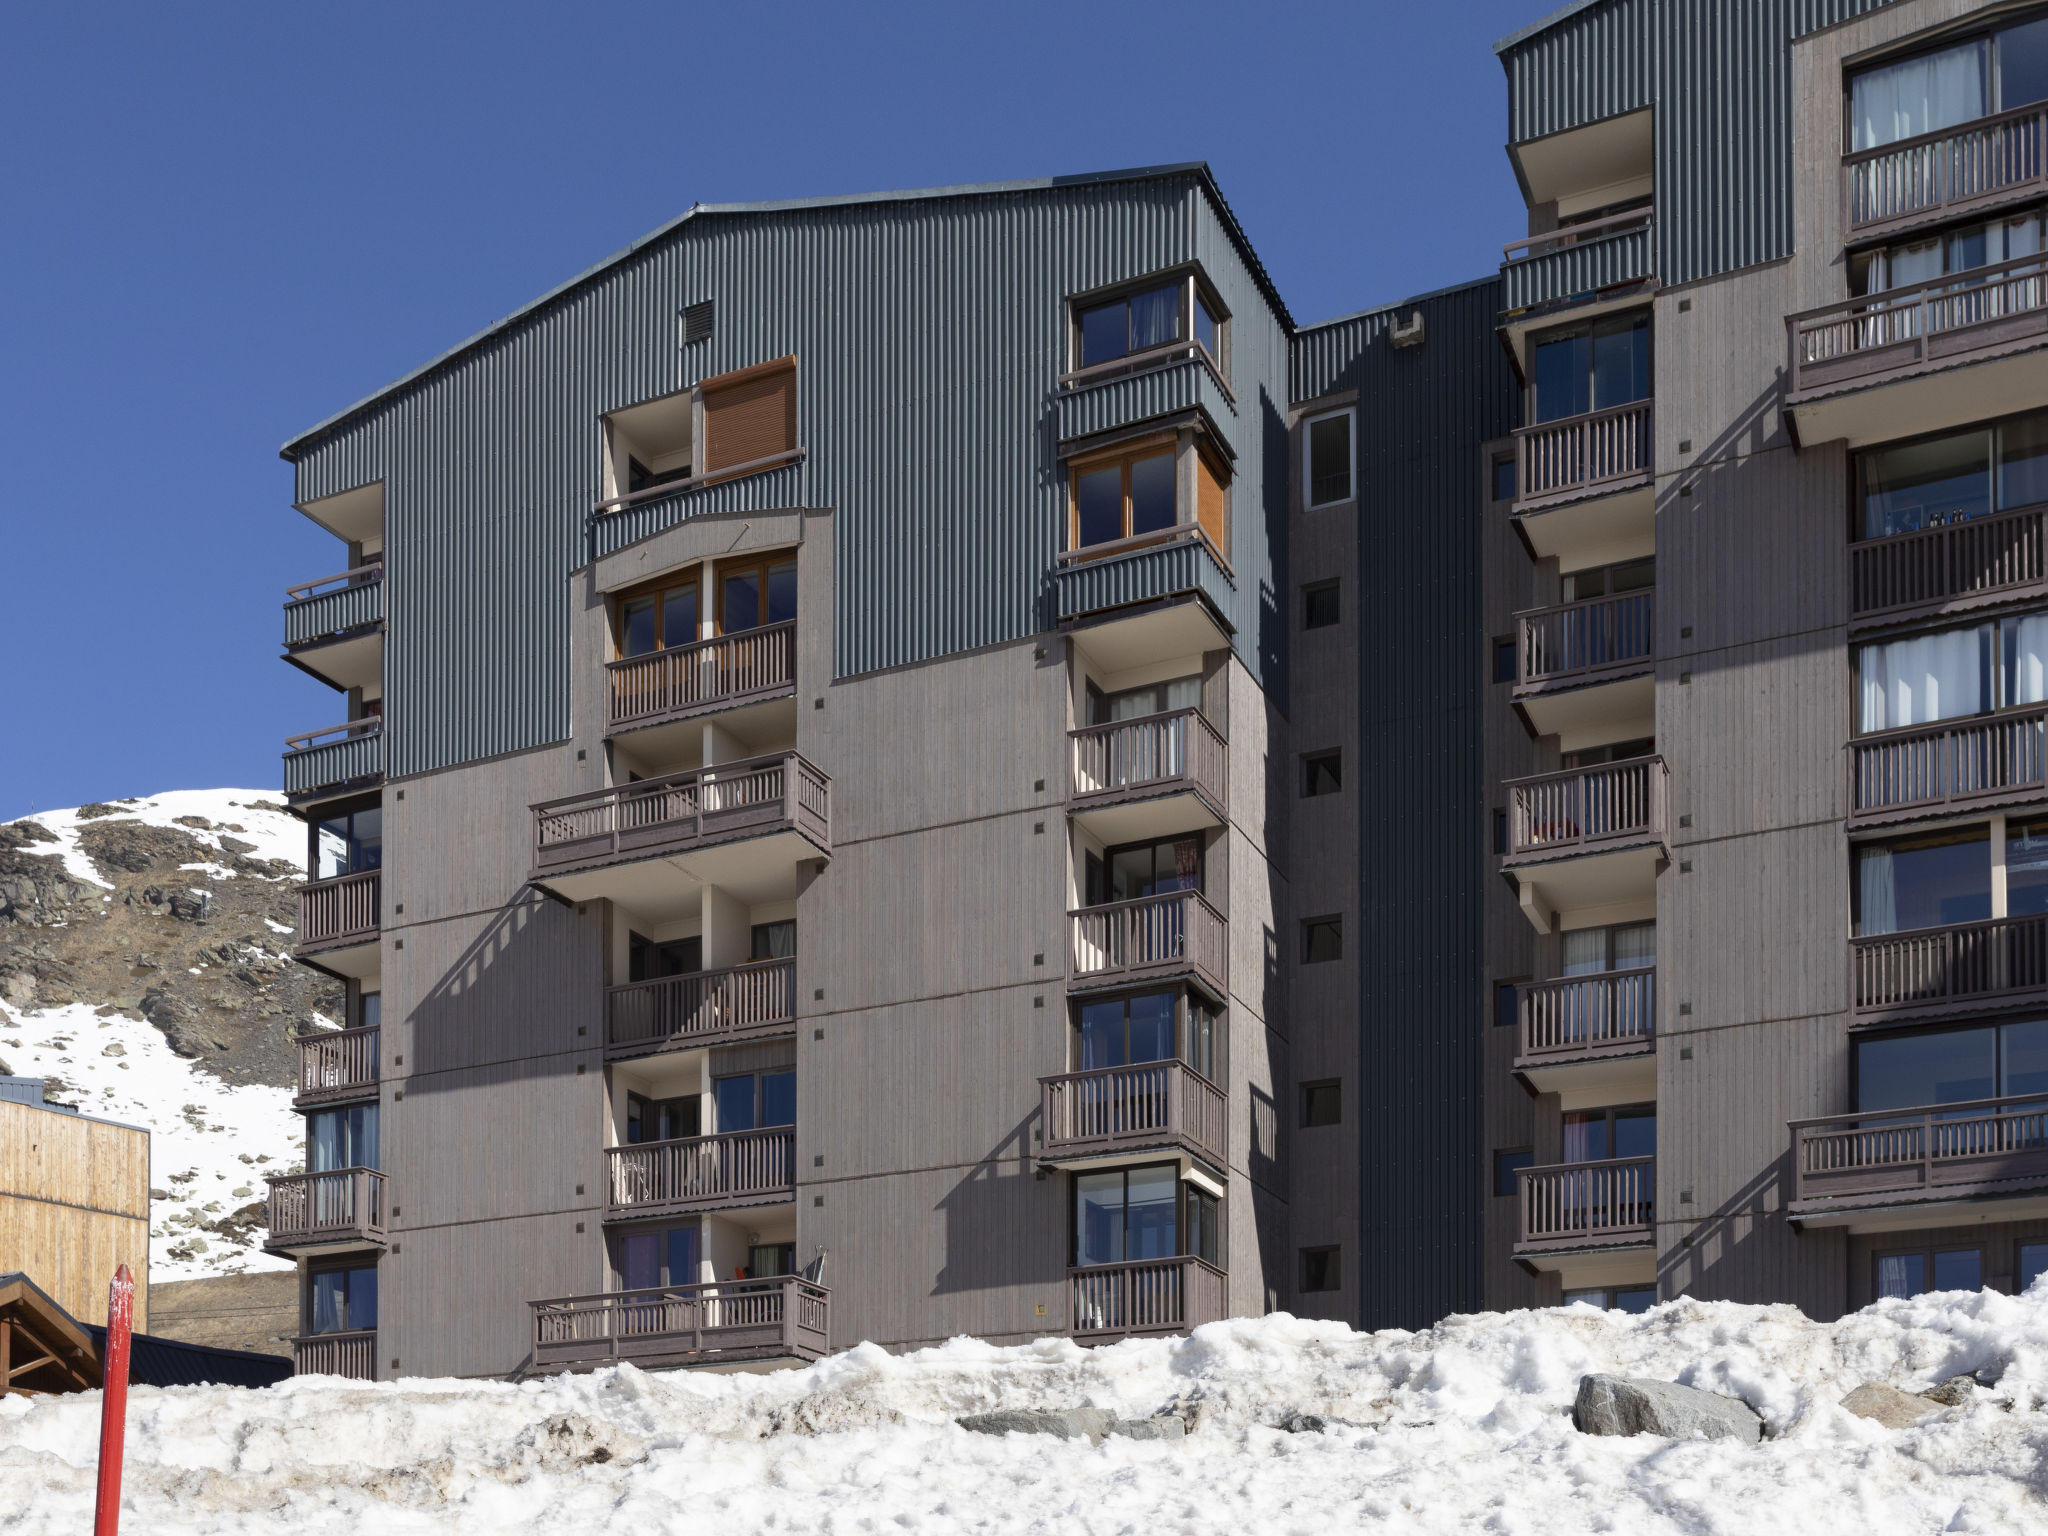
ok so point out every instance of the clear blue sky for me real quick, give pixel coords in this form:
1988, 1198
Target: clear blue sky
224, 222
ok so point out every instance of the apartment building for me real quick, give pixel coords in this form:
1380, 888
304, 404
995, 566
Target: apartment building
1768, 959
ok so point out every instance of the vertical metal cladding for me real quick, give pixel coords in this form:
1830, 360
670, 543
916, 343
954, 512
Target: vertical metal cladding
1425, 414
1596, 63
930, 332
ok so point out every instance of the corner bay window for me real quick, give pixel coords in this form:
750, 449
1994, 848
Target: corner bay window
1151, 1026
1143, 869
1934, 481
342, 1138
1593, 366
348, 842
1944, 87
1145, 319
1139, 490
1143, 1213
755, 1100
751, 592
343, 1300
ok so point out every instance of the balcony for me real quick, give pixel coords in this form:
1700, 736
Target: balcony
1153, 938
1588, 669
1151, 568
1854, 1171
337, 1066
731, 1322
1950, 569
701, 1173
1989, 163
1577, 265
1582, 456
334, 627
744, 826
1586, 837
338, 757
730, 672
311, 1212
1152, 1106
1966, 968
1568, 1209
1953, 767
1589, 1039
1149, 777
1146, 1296
1168, 382
352, 1355
745, 1002
338, 920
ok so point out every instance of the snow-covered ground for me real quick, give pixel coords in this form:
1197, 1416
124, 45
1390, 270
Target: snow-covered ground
1463, 1428
260, 814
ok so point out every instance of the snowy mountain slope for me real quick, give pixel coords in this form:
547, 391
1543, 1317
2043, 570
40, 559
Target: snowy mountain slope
1463, 1428
145, 972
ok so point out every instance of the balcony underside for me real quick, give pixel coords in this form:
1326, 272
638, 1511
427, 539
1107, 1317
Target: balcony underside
655, 1354
1629, 1263
660, 885
1954, 1205
1194, 1165
1146, 973
300, 1245
752, 1200
1594, 713
1140, 815
1860, 410
1592, 1079
1167, 631
1591, 530
1584, 883
759, 721
360, 957
353, 660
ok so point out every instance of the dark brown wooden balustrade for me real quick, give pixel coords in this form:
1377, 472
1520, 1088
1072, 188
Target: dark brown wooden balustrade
341, 910
1913, 574
1154, 755
1963, 968
1147, 1296
310, 1209
1610, 1014
681, 811
1587, 1205
703, 1173
1957, 765
742, 1002
1579, 455
692, 680
338, 1064
1152, 937
1587, 810
1911, 182
1938, 1151
1151, 1104
352, 1354
784, 1317
1595, 640
1919, 327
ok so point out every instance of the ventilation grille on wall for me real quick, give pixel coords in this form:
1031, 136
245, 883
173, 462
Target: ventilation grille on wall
697, 323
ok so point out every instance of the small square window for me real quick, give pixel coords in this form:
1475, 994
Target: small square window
1504, 659
1503, 479
1320, 1270
1322, 1103
1319, 605
1504, 1165
1326, 448
1322, 938
1506, 1004
1322, 773
1500, 830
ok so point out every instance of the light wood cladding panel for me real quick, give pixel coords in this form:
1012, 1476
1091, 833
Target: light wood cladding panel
74, 1206
452, 1301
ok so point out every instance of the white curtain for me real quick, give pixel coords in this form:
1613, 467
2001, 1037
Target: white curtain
1916, 96
1877, 898
2026, 659
1922, 679
1585, 951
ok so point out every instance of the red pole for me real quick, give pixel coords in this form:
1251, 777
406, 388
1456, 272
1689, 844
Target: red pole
114, 1401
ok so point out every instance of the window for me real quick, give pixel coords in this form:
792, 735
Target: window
344, 1300
755, 1100
1947, 673
1136, 703
1148, 1026
665, 1256
774, 941
1938, 1269
1147, 318
1610, 580
1500, 830
1322, 938
755, 592
1143, 1213
1137, 870
1322, 773
1319, 605
1956, 84
1612, 752
649, 961
661, 1119
1328, 462
1622, 947
1595, 1135
658, 617
1951, 1066
1504, 1165
2032, 1263
342, 1138
1321, 1269
1506, 659
1935, 481
1507, 1004
1929, 881
1638, 1298
648, 445
1322, 1103
1934, 256
1135, 492
1504, 479
749, 415
348, 842
1594, 366
765, 1260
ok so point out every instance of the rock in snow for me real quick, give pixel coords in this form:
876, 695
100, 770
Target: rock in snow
1618, 1405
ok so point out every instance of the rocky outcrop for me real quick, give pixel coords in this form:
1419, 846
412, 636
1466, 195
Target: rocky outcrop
1624, 1405
1092, 1424
1896, 1409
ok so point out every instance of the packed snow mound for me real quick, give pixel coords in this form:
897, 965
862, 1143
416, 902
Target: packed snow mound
1463, 1427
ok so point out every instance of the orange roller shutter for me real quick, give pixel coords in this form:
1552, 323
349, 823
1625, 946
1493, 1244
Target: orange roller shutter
1212, 500
749, 415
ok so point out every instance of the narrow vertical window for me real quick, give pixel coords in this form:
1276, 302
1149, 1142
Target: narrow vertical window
1329, 460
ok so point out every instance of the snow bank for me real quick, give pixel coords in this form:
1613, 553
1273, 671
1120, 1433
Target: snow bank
1461, 1428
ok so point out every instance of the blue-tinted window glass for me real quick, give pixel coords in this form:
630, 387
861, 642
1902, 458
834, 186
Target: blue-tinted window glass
1150, 1216
330, 1301
2023, 462
366, 838
1635, 1133
1504, 1166
1923, 883
362, 1298
1155, 317
1205, 326
637, 627
1585, 1136
1102, 1035
342, 1138
742, 602
1919, 95
778, 1098
2023, 65
2023, 1057
1506, 1005
1564, 385
1105, 333
735, 1096
2033, 1263
679, 617
642, 1255
1152, 1027
1152, 494
782, 592
1911, 1071
1959, 1269
1205, 1224
1099, 505
1927, 485
1098, 1218
2026, 867
682, 1256
1638, 1300
1621, 362
1901, 1274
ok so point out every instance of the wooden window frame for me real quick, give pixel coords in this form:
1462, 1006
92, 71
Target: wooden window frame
737, 565
1193, 455
1192, 282
658, 588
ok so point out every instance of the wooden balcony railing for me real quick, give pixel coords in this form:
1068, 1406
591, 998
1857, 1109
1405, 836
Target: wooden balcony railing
1915, 181
1919, 327
1584, 642
1147, 1296
1953, 765
701, 1173
1149, 1104
338, 1064
778, 1318
1962, 968
346, 1205
1587, 810
680, 811
1602, 450
342, 909
1911, 573
1950, 1150
1155, 936
743, 1000
1610, 1014
352, 1354
1577, 1205
1152, 755
695, 679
